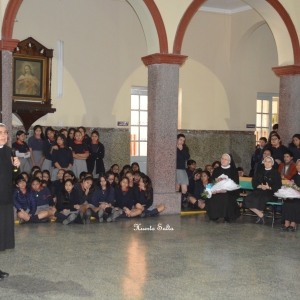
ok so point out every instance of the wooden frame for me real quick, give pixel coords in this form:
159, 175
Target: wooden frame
29, 78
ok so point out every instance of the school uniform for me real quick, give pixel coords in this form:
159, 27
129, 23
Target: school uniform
67, 201
79, 165
36, 144
124, 199
43, 199
64, 157
296, 152
23, 153
25, 201
83, 198
149, 209
181, 175
95, 164
56, 188
47, 146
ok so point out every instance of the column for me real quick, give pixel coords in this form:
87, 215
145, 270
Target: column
8, 47
163, 84
289, 102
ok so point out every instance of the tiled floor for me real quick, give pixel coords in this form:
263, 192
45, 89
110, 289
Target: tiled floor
196, 260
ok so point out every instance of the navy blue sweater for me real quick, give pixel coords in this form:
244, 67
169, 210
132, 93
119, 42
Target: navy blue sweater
124, 199
63, 156
143, 200
43, 197
67, 201
182, 156
103, 196
24, 201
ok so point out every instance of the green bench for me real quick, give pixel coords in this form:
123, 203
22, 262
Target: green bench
246, 184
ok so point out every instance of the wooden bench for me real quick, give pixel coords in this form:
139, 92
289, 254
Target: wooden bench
246, 184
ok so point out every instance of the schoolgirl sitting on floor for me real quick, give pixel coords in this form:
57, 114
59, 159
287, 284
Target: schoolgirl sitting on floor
25, 203
103, 201
145, 198
68, 205
125, 200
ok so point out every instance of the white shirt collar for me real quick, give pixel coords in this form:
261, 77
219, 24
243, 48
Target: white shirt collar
225, 167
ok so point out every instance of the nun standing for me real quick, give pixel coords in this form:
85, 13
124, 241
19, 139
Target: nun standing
223, 203
7, 237
265, 183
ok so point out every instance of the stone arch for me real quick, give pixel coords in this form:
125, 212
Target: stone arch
146, 11
276, 16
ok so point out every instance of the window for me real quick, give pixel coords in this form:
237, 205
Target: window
266, 114
139, 121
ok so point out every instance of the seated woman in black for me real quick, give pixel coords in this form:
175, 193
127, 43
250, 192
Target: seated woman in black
57, 185
125, 199
265, 184
196, 199
68, 205
145, 198
294, 146
291, 207
223, 203
103, 200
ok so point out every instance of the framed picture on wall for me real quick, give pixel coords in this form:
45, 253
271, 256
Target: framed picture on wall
29, 78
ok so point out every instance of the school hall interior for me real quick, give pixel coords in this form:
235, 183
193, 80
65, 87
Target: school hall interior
219, 71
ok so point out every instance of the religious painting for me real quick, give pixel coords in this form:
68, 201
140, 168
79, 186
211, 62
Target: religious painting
29, 78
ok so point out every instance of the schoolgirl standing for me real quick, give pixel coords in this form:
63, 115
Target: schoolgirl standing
22, 151
62, 157
68, 206
125, 199
145, 198
85, 137
182, 179
35, 144
80, 154
48, 144
70, 138
103, 201
94, 161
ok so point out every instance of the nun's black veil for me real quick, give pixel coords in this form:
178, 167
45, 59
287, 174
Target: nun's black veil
232, 163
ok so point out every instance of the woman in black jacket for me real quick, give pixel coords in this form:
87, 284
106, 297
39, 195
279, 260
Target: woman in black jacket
265, 184
94, 162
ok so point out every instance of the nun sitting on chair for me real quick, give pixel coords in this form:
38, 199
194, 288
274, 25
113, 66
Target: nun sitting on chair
223, 203
265, 183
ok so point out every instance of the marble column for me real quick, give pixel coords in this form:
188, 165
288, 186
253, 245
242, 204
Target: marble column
163, 81
6, 90
289, 102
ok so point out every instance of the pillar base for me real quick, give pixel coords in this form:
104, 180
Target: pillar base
172, 202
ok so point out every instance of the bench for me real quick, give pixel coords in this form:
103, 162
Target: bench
246, 184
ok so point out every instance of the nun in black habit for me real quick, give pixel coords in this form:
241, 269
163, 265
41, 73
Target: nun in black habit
291, 207
223, 203
7, 237
265, 183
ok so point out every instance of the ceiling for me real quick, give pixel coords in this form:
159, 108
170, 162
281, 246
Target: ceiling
225, 6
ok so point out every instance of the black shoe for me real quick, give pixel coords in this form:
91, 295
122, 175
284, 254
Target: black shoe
284, 228
291, 228
88, 215
3, 274
226, 220
214, 220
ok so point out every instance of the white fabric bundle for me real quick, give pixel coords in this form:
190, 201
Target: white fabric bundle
287, 192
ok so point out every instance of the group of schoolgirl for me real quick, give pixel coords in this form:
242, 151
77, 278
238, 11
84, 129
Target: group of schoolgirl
69, 149
37, 199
